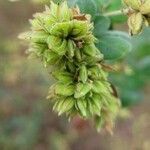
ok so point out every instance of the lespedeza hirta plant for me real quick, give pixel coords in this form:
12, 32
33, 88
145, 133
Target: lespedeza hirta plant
63, 38
74, 46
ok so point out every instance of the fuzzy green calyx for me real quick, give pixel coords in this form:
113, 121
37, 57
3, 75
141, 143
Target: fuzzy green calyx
62, 38
139, 15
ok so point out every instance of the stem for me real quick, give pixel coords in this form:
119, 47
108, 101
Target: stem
116, 13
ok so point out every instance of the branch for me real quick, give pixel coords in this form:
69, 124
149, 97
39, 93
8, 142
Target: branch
116, 13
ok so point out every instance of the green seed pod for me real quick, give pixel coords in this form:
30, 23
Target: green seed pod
71, 67
95, 73
57, 45
78, 55
63, 76
80, 29
50, 57
97, 100
64, 90
67, 104
61, 29
135, 23
82, 89
99, 87
71, 49
90, 50
145, 7
82, 105
64, 13
135, 4
83, 74
96, 110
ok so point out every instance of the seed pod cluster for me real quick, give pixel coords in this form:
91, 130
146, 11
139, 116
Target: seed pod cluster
139, 15
62, 38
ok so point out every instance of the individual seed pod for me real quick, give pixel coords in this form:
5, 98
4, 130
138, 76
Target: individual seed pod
93, 108
145, 7
66, 105
64, 12
99, 87
135, 23
57, 45
90, 107
71, 67
83, 76
97, 100
71, 49
50, 57
135, 4
80, 29
82, 89
82, 107
54, 9
90, 50
54, 41
92, 60
94, 72
78, 55
63, 77
64, 90
58, 104
39, 37
61, 29
35, 25
146, 22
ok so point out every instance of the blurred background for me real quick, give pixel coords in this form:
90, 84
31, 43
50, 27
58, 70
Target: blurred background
26, 118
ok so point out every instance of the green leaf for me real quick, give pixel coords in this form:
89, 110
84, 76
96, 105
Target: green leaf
144, 66
113, 6
114, 44
131, 97
101, 24
103, 3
